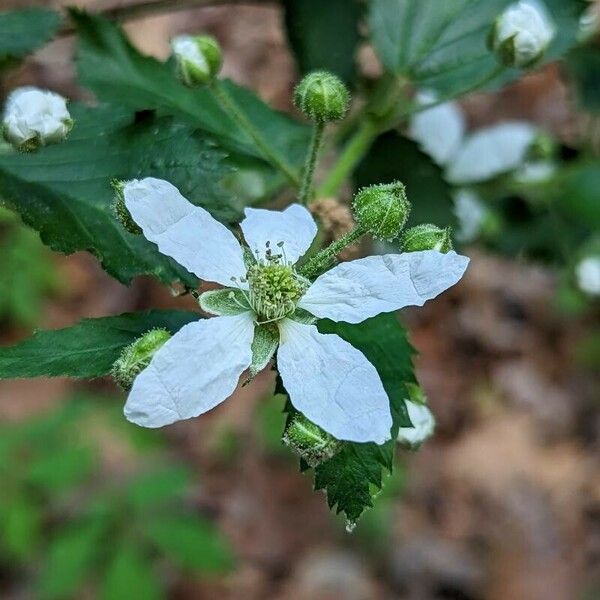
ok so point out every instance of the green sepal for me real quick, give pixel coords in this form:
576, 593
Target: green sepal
303, 316
226, 302
266, 340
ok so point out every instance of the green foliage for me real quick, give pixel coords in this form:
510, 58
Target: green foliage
87, 349
64, 191
27, 273
23, 31
131, 575
583, 65
324, 35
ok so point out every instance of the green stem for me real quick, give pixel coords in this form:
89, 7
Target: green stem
311, 163
355, 150
230, 106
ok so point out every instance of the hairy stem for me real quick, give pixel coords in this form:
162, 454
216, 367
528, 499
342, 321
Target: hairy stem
271, 155
311, 162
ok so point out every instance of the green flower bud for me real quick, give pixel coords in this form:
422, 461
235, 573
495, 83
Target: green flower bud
137, 356
382, 210
199, 58
121, 212
427, 237
309, 441
322, 97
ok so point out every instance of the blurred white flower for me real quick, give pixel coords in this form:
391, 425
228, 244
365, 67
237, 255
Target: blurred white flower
490, 152
535, 172
522, 33
266, 307
439, 131
589, 23
471, 213
424, 425
35, 117
588, 275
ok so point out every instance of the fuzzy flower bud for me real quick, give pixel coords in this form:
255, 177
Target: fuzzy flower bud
199, 58
522, 33
322, 97
34, 117
420, 416
120, 210
309, 441
382, 210
137, 356
427, 237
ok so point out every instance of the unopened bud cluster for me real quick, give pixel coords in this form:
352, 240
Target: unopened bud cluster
199, 58
427, 237
309, 441
322, 97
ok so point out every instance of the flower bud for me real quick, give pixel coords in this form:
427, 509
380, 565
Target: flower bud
34, 117
199, 58
420, 416
427, 237
121, 212
522, 33
322, 97
382, 210
137, 356
309, 441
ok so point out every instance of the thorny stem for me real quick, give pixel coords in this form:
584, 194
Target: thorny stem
311, 162
230, 106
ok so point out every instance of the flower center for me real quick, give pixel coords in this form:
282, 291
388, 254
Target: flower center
275, 288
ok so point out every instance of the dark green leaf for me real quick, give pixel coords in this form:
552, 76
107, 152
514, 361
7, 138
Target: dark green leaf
130, 575
87, 349
20, 528
61, 469
324, 35
583, 65
579, 198
190, 542
23, 31
152, 489
64, 191
116, 72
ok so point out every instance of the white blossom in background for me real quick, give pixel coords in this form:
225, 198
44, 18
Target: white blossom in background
589, 23
535, 172
423, 425
522, 33
588, 275
440, 130
35, 117
471, 214
492, 151
328, 380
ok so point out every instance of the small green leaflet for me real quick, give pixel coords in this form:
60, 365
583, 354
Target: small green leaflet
116, 72
64, 191
353, 476
23, 31
87, 349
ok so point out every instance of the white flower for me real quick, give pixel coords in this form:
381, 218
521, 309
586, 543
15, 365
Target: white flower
588, 275
492, 151
535, 172
423, 425
470, 213
522, 33
327, 379
34, 116
439, 131
589, 23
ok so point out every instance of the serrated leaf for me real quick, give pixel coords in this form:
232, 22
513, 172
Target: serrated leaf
64, 191
442, 45
87, 349
324, 35
116, 72
190, 542
23, 31
351, 478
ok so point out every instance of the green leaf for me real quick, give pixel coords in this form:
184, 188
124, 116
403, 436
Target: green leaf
23, 31
579, 195
353, 476
61, 469
427, 190
324, 35
155, 488
190, 542
442, 45
20, 527
64, 191
87, 349
583, 65
130, 575
116, 72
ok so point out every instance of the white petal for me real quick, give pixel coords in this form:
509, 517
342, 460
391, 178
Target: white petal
439, 131
185, 232
195, 370
360, 289
293, 226
423, 424
491, 152
333, 384
588, 275
471, 214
